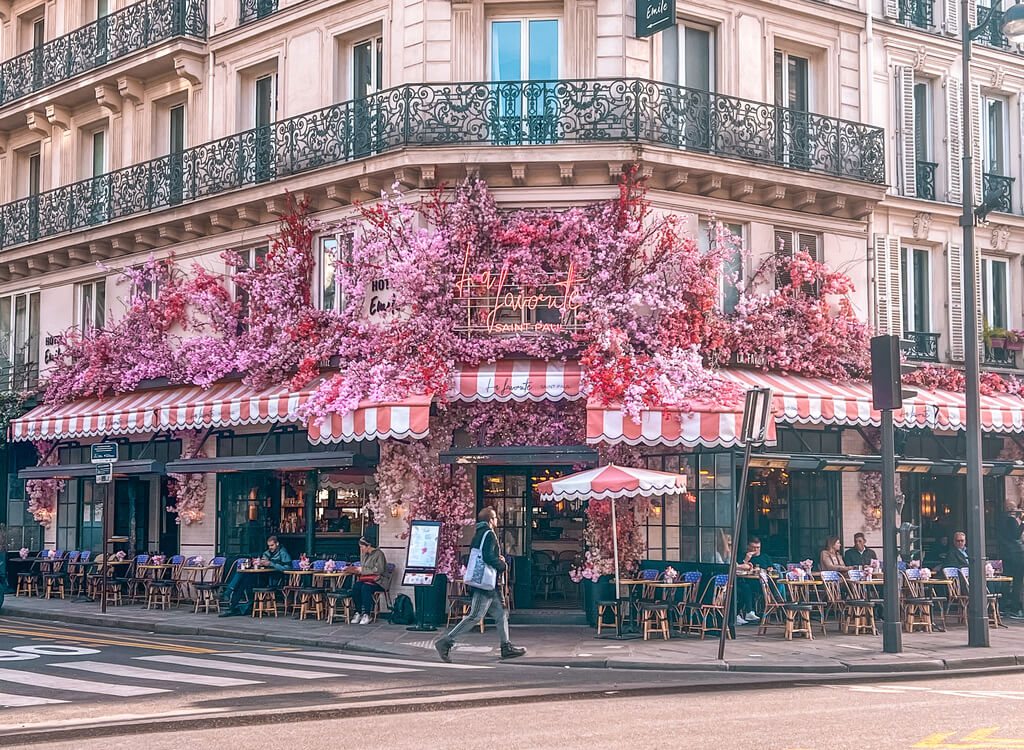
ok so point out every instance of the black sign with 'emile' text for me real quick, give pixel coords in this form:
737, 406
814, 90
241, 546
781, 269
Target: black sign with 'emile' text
653, 16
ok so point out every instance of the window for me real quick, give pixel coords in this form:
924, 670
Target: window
265, 109
787, 241
915, 279
333, 250
696, 526
33, 174
250, 259
67, 516
792, 81
38, 33
22, 529
524, 50
994, 292
922, 121
688, 56
176, 129
19, 340
99, 153
367, 67
732, 268
995, 134
92, 303
175, 147
102, 8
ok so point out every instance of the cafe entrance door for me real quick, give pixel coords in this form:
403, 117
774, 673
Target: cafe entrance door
541, 541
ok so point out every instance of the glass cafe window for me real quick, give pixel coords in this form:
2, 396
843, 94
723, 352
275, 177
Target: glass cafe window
697, 526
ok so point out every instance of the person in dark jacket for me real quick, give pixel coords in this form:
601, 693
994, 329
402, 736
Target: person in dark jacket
484, 601
240, 586
957, 556
1011, 548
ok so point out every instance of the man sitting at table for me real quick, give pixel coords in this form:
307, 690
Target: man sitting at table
957, 556
275, 558
860, 554
747, 589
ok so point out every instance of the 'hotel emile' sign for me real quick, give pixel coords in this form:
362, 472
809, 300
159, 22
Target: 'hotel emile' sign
653, 16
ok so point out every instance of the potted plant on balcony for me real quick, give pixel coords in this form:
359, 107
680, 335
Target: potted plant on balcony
1014, 341
995, 338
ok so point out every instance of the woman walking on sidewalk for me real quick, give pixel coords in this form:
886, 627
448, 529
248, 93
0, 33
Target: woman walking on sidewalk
484, 601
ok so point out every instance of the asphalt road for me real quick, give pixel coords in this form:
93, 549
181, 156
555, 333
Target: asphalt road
66, 687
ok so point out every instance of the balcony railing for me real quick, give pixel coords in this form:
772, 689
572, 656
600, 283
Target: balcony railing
926, 180
108, 38
460, 114
919, 346
1000, 356
998, 192
253, 10
916, 13
992, 36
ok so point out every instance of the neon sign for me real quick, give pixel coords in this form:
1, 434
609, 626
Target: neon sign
495, 300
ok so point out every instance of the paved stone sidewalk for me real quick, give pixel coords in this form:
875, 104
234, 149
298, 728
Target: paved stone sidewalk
552, 645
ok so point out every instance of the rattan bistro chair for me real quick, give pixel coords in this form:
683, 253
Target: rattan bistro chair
711, 615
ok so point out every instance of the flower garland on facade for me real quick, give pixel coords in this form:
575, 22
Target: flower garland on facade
871, 498
939, 377
188, 491
42, 493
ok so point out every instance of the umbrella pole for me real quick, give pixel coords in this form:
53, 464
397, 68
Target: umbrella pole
615, 548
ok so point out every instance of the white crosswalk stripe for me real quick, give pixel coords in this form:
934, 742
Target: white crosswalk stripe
286, 660
16, 701
160, 675
227, 666
387, 660
38, 680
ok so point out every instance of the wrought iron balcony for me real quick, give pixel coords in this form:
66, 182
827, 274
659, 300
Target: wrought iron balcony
921, 347
121, 33
926, 180
253, 10
1000, 356
998, 192
992, 36
916, 13
460, 114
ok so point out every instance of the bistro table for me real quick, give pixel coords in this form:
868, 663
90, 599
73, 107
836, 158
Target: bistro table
159, 570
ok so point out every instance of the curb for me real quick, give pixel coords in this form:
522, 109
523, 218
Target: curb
911, 666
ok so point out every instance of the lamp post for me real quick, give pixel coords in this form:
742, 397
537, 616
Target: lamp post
977, 616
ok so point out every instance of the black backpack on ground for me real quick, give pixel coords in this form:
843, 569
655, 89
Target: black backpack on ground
402, 612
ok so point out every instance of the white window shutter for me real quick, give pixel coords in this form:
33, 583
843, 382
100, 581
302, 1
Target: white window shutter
955, 274
978, 308
951, 13
972, 13
954, 141
888, 285
906, 144
891, 8
808, 243
977, 184
895, 252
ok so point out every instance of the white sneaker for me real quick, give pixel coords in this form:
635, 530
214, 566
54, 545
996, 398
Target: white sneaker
751, 617
740, 620
364, 620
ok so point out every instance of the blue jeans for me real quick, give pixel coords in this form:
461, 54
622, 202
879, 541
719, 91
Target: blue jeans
362, 596
483, 602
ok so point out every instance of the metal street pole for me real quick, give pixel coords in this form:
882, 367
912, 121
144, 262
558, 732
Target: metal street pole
892, 637
741, 503
108, 509
977, 617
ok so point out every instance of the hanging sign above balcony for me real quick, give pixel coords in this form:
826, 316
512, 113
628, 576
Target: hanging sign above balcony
653, 16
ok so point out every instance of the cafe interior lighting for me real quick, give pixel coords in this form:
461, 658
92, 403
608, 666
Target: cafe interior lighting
913, 466
765, 461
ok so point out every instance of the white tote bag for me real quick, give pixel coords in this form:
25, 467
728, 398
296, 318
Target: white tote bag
479, 574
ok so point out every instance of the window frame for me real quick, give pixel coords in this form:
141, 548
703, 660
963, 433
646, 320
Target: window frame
340, 239
988, 298
782, 97
679, 32
924, 141
80, 290
987, 136
32, 335
377, 64
705, 242
524, 44
909, 266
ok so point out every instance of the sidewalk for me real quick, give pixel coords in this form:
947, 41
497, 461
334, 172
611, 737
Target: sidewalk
567, 646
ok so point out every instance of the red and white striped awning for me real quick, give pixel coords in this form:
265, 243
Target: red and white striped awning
800, 400
227, 404
668, 425
517, 380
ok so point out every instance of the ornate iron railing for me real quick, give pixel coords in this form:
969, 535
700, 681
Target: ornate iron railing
1000, 356
916, 13
496, 114
926, 180
921, 347
992, 36
253, 10
998, 192
121, 33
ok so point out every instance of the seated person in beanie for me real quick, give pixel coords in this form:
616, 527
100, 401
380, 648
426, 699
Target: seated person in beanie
241, 584
372, 565
860, 554
747, 589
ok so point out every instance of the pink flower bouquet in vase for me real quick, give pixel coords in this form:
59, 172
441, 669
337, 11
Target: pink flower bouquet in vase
806, 565
329, 566
671, 574
23, 553
926, 574
120, 555
989, 570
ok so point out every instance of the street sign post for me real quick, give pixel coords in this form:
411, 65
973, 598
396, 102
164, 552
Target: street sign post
104, 453
104, 473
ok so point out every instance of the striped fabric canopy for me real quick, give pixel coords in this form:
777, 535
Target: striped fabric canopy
517, 380
228, 404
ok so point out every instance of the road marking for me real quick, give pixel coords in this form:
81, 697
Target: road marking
36, 680
55, 650
108, 641
976, 740
141, 673
277, 659
8, 700
388, 660
227, 666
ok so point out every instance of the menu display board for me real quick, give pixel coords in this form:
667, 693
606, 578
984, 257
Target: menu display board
424, 537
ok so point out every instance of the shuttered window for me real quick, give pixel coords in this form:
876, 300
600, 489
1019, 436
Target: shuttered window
887, 285
785, 242
907, 131
954, 153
